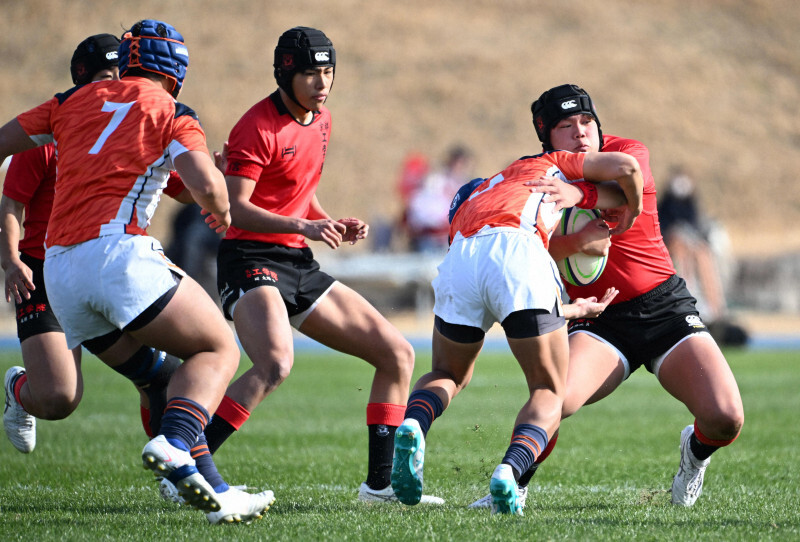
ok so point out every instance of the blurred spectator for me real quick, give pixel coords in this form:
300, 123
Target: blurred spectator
698, 248
428, 206
412, 173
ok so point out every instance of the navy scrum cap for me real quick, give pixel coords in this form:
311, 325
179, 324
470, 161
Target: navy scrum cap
154, 46
558, 103
94, 54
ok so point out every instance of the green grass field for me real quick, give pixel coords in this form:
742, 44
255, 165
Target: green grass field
607, 480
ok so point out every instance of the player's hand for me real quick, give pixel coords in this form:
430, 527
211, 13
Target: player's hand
556, 191
591, 307
221, 158
594, 238
356, 230
326, 230
19, 282
217, 222
620, 218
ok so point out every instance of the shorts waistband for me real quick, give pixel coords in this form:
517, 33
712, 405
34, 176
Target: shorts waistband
665, 286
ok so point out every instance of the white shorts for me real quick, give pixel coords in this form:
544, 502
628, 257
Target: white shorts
486, 277
101, 285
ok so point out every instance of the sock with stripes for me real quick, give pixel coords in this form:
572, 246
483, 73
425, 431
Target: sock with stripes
228, 418
183, 421
527, 443
424, 406
205, 465
525, 479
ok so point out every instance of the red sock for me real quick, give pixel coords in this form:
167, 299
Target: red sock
145, 414
385, 414
232, 412
547, 449
18, 388
710, 442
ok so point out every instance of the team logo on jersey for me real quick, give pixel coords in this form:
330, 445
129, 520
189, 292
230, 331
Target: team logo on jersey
288, 151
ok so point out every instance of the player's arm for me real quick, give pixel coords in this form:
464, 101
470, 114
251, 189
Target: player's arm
625, 169
249, 216
18, 276
13, 139
207, 186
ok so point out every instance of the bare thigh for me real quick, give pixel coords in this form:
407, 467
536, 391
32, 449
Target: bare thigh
698, 375
595, 370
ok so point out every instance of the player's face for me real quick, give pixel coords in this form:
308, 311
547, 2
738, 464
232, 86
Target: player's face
311, 87
109, 74
577, 133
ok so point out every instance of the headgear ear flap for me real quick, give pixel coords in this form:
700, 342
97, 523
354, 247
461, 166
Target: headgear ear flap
156, 47
558, 103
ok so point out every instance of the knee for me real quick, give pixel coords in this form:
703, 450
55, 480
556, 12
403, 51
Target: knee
404, 356
58, 405
273, 372
723, 424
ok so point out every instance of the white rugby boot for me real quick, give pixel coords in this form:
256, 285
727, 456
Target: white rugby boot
167, 461
687, 485
486, 501
367, 494
19, 425
241, 507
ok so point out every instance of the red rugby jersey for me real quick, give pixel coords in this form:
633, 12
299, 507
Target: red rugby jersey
30, 179
115, 142
638, 260
504, 201
284, 157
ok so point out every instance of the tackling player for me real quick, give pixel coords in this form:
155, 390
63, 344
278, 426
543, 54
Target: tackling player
498, 270
117, 142
268, 278
653, 321
50, 386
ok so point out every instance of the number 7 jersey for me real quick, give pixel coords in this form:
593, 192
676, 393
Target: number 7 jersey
115, 143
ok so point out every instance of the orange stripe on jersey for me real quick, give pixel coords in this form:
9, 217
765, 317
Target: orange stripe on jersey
504, 201
115, 142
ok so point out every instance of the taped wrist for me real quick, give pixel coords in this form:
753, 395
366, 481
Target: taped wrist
589, 191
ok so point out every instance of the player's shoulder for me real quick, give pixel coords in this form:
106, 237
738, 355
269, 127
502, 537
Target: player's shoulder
617, 143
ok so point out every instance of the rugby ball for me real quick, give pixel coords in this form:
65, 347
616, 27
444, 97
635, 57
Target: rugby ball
579, 269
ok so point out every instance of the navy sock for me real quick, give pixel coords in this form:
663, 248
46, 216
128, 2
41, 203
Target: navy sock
183, 422
527, 442
205, 465
150, 370
424, 406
